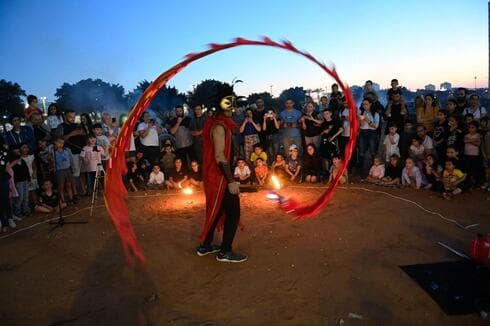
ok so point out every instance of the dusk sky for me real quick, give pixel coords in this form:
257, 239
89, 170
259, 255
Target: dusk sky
46, 43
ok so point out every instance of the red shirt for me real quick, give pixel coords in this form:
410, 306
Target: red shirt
29, 111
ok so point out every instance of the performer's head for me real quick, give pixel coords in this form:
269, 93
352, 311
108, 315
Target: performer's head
225, 100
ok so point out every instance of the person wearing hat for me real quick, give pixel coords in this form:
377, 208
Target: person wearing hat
221, 190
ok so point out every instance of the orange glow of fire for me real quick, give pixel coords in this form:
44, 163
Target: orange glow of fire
275, 182
188, 191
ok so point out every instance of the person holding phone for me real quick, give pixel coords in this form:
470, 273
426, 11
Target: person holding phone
92, 156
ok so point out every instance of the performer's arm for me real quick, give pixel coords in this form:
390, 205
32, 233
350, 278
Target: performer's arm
219, 135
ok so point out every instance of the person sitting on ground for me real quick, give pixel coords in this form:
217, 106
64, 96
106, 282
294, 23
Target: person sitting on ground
134, 181
157, 179
393, 172
177, 178
195, 175
294, 164
48, 200
279, 168
144, 167
261, 171
411, 175
312, 165
168, 158
242, 172
377, 171
452, 178
433, 173
336, 165
453, 152
258, 152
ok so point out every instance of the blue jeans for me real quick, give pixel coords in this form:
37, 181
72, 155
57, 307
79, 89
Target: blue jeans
368, 141
272, 146
21, 203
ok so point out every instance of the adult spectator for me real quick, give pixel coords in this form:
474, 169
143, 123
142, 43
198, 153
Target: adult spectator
258, 116
109, 126
86, 123
395, 88
475, 108
250, 132
270, 128
396, 111
41, 130
75, 139
196, 127
368, 88
312, 127
20, 134
323, 104
335, 104
461, 100
33, 106
427, 114
237, 142
183, 137
368, 137
425, 139
148, 136
290, 133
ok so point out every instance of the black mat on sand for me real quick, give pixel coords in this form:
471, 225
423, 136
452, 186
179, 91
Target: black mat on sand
459, 288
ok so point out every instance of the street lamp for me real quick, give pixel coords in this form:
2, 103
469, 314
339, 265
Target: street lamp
43, 98
475, 84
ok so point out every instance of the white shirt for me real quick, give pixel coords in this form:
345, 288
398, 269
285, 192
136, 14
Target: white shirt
478, 114
152, 138
428, 143
390, 147
345, 123
242, 173
156, 178
92, 158
373, 118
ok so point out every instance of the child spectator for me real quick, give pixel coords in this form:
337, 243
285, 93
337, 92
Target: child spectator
440, 135
377, 171
92, 158
417, 152
44, 159
472, 157
242, 172
168, 158
195, 175
468, 118
294, 164
143, 166
261, 171
32, 166
280, 168
453, 152
133, 180
452, 178
177, 176
455, 135
55, 117
391, 142
64, 177
157, 179
433, 173
22, 180
102, 141
312, 165
406, 137
335, 168
393, 172
411, 175
258, 152
48, 201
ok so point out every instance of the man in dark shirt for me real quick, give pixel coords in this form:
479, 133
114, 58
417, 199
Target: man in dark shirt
196, 126
258, 116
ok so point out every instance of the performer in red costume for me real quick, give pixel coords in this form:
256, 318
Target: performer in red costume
222, 192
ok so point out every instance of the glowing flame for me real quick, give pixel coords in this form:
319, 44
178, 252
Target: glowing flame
275, 182
188, 191
272, 196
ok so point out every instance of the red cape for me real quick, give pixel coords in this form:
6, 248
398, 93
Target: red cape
214, 181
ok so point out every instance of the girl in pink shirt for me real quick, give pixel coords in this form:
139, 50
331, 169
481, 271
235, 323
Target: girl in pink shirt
472, 157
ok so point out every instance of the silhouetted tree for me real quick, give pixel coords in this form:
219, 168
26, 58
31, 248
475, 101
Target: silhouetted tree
205, 93
10, 101
91, 95
297, 94
165, 100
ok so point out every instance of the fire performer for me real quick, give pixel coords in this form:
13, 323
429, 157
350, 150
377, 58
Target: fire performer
222, 192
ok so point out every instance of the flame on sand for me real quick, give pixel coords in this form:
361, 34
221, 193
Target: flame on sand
275, 182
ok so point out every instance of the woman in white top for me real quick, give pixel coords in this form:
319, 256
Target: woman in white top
368, 136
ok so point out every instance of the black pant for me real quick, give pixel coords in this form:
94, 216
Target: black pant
5, 207
186, 154
231, 208
151, 153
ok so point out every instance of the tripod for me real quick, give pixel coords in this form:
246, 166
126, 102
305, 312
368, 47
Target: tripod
60, 221
99, 174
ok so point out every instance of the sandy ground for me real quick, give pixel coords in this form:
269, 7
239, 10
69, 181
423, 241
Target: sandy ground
313, 272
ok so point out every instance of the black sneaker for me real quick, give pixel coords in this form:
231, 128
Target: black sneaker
230, 257
204, 250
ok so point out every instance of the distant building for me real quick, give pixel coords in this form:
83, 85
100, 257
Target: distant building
430, 87
446, 86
